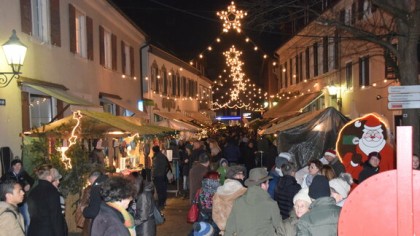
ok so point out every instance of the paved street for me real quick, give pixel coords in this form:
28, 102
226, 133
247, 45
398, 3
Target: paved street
176, 215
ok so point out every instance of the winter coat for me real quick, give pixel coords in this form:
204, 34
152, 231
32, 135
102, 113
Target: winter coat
145, 221
11, 221
286, 189
45, 211
337, 166
231, 153
95, 198
223, 201
185, 162
108, 222
205, 199
160, 165
197, 173
368, 171
289, 225
254, 213
273, 182
321, 220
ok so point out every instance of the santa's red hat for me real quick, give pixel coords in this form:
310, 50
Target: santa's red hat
371, 122
330, 152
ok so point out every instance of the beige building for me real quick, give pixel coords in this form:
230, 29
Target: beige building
178, 90
79, 53
323, 66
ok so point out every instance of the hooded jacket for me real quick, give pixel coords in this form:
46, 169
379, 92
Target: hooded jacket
11, 221
223, 201
286, 189
254, 213
321, 220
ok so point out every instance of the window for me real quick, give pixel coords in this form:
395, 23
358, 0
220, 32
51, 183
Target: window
315, 50
285, 75
80, 37
153, 77
307, 68
126, 59
325, 54
107, 49
41, 110
349, 75
364, 71
174, 84
164, 81
291, 71
184, 86
40, 20
178, 84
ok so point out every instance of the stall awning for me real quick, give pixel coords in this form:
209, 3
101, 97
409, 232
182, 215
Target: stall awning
293, 122
173, 116
97, 124
178, 125
199, 117
127, 106
62, 95
293, 106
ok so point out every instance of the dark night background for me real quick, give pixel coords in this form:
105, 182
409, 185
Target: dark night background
186, 28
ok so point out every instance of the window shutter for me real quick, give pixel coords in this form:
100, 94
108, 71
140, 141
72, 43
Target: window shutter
367, 80
101, 46
72, 28
131, 61
123, 63
114, 51
26, 119
26, 16
89, 37
55, 23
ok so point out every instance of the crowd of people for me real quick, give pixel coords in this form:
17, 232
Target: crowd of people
238, 191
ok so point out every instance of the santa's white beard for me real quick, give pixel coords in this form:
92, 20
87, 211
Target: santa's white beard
371, 145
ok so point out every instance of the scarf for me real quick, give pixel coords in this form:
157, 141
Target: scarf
128, 219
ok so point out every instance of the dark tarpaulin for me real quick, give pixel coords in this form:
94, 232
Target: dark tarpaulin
310, 139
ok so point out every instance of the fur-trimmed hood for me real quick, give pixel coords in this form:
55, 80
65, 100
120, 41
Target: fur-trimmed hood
231, 189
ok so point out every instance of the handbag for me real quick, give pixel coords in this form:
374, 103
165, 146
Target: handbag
194, 211
159, 217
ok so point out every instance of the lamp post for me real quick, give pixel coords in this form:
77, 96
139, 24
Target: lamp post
15, 52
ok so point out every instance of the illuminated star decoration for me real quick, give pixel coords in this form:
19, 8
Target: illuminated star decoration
231, 18
72, 140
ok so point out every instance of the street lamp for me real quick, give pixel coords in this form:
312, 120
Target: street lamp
15, 52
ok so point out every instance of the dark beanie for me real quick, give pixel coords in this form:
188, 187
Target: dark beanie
319, 187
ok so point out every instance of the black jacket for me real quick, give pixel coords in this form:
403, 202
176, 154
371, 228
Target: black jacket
95, 200
145, 221
368, 171
45, 211
286, 189
109, 222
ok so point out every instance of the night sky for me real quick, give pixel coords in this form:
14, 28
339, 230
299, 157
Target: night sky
186, 28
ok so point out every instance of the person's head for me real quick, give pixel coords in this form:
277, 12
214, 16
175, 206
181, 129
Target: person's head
251, 144
340, 187
156, 149
301, 202
236, 172
44, 172
258, 177
416, 162
288, 169
55, 177
117, 189
94, 175
197, 144
330, 155
280, 161
11, 192
328, 172
204, 159
314, 166
202, 229
374, 158
16, 165
319, 187
223, 162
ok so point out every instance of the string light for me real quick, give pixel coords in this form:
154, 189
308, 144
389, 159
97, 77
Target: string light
77, 115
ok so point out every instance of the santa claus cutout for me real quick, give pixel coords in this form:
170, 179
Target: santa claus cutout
360, 137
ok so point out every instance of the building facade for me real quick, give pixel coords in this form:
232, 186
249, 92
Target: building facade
178, 89
80, 54
333, 68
